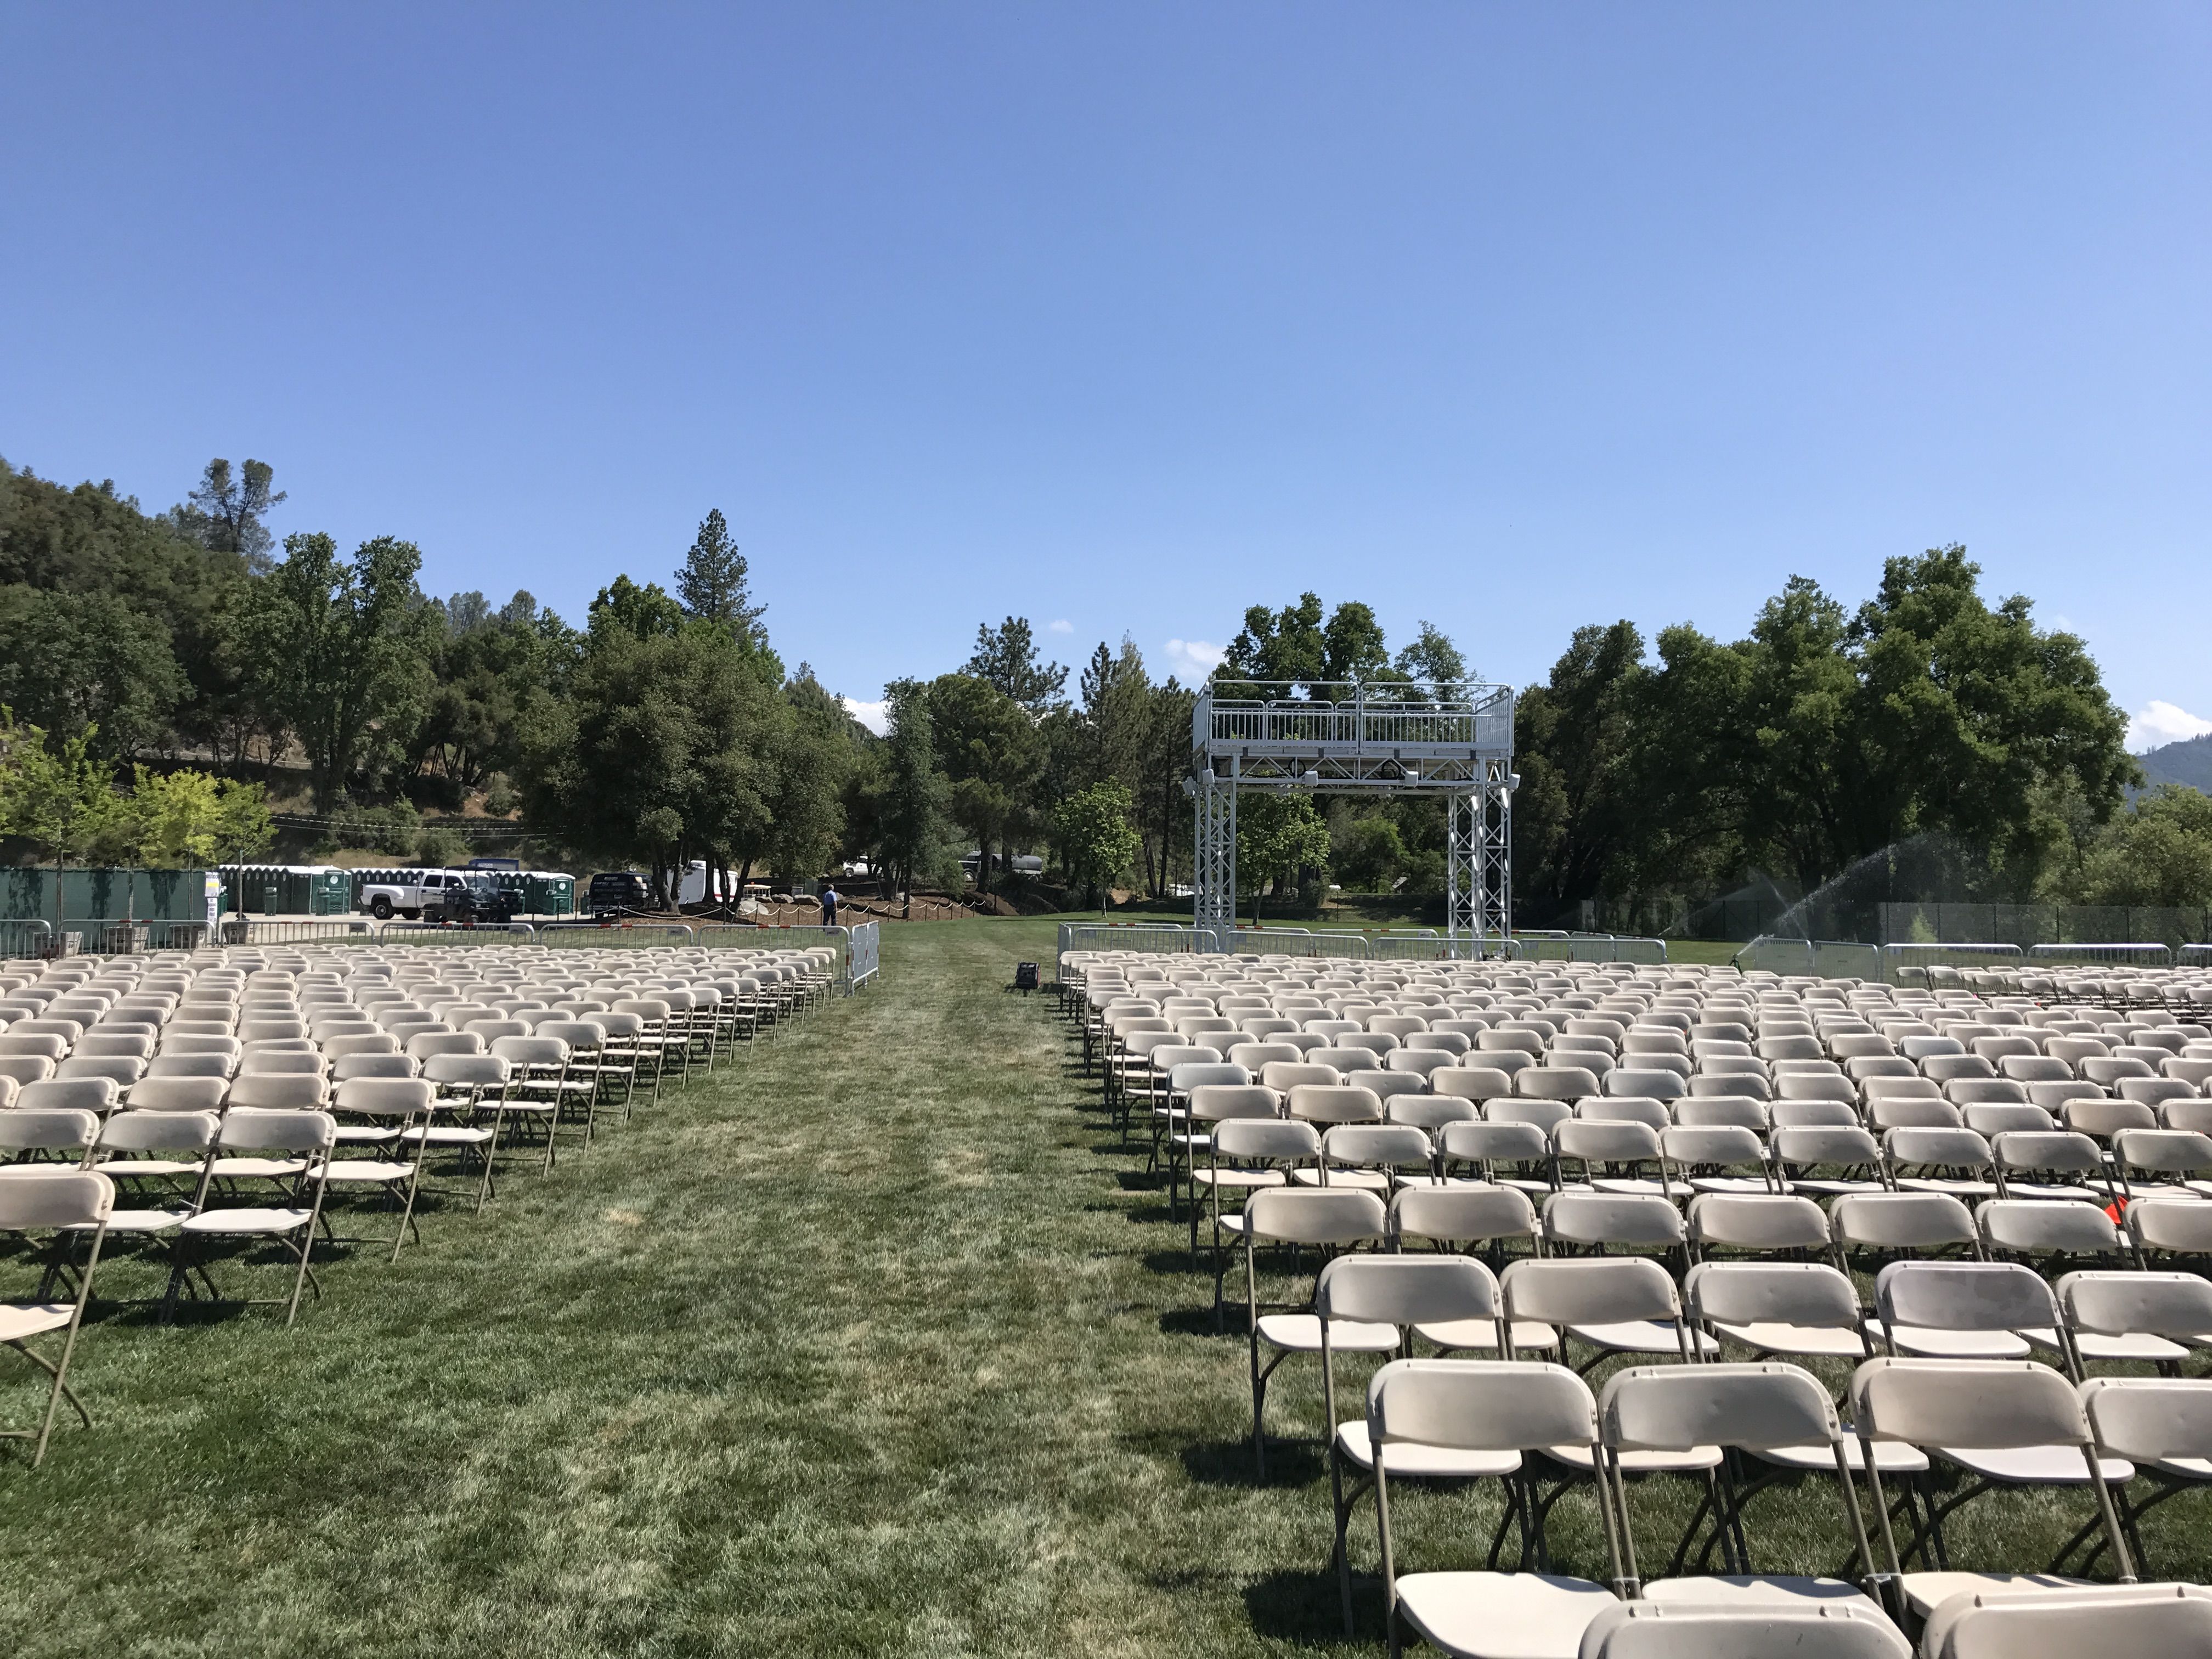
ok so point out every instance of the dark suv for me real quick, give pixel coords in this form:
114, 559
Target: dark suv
618, 893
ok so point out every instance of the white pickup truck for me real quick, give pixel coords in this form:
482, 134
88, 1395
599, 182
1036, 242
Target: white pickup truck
437, 895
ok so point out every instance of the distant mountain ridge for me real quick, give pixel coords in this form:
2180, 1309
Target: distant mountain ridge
2189, 762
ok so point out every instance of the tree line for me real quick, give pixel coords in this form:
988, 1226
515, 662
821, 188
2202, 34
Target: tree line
667, 727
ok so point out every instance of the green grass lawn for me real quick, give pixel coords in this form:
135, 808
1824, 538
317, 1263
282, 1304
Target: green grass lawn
876, 1343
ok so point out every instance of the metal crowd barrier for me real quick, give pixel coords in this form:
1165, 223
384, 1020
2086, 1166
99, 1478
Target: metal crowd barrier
2155, 955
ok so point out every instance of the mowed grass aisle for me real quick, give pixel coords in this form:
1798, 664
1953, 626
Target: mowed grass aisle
875, 1344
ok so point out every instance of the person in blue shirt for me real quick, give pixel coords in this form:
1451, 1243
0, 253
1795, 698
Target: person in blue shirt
828, 905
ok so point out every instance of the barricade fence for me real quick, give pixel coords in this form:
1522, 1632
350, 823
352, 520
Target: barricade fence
1552, 946
1827, 958
2143, 954
26, 938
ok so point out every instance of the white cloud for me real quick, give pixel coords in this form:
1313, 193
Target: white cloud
1194, 659
876, 716
2157, 723
1063, 626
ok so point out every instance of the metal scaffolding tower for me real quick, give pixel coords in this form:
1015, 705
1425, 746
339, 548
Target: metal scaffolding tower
1388, 739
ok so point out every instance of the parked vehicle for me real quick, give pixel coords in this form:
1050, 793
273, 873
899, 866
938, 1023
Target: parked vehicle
618, 893
436, 895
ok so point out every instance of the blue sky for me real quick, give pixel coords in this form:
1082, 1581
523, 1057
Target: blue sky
1125, 317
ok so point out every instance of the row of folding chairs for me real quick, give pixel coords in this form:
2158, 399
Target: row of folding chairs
318, 1092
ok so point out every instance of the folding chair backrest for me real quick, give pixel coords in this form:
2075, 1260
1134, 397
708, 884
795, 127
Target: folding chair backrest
1759, 1292
1949, 1149
1684, 1630
2121, 1302
1590, 1290
1213, 1101
466, 1070
1900, 1221
1406, 1290
38, 1199
1813, 1114
1283, 1075
531, 1051
1497, 1406
1471, 1082
1964, 1296
1377, 1145
78, 1094
2136, 1620
1319, 1103
1730, 1111
176, 1094
280, 1063
2029, 1225
1425, 1111
1612, 1218
50, 1129
279, 1092
1273, 1139
1624, 1109
384, 1097
1333, 1215
1674, 1407
1984, 1404
1758, 1221
139, 1131
249, 1128
1462, 1214
1722, 1146
1555, 1083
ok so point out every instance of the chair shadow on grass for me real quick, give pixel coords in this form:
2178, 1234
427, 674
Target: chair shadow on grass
1304, 1606
1228, 1463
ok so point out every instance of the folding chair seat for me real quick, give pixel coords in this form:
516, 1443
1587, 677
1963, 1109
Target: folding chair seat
157, 1158
2060, 1152
1460, 1217
2106, 1071
1721, 1111
1760, 1408
1891, 1223
1798, 1150
2155, 1318
2003, 1424
391, 1106
279, 1091
1960, 1309
1333, 1219
52, 1137
1685, 1151
1367, 1293
2024, 1228
1962, 1158
302, 1141
2163, 1163
1611, 1304
1694, 1630
2063, 1623
59, 1201
1505, 1409
1494, 1148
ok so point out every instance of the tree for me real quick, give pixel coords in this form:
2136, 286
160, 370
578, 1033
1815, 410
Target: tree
1369, 855
489, 668
711, 583
1278, 836
1575, 815
189, 818
338, 647
643, 613
1006, 657
1295, 645
56, 795
80, 662
2159, 851
1096, 832
809, 761
914, 808
227, 512
1434, 657
991, 750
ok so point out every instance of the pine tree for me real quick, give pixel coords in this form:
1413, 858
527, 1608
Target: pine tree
711, 583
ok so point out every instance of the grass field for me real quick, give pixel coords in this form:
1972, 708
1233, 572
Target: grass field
876, 1343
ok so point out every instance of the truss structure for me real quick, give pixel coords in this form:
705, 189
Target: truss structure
1389, 739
